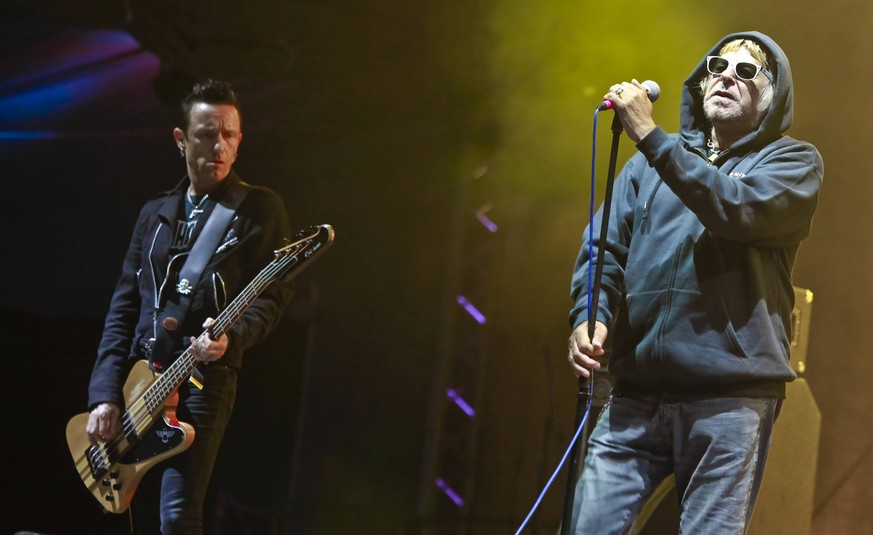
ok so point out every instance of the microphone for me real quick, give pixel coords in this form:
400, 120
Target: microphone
652, 89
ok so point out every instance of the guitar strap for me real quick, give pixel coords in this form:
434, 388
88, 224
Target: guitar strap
203, 249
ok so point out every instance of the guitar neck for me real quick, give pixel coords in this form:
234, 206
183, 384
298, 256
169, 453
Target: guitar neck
181, 369
244, 300
288, 259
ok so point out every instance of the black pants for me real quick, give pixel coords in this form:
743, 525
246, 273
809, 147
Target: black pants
169, 500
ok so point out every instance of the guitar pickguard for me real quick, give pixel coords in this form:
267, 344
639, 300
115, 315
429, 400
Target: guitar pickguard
158, 439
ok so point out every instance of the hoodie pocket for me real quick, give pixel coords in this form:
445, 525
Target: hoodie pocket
645, 313
729, 330
643, 310
701, 321
686, 330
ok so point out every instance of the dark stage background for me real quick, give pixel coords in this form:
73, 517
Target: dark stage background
375, 117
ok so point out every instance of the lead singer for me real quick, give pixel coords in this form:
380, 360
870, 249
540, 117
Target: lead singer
703, 236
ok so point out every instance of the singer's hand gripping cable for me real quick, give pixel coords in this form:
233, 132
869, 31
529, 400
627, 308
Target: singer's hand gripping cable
584, 418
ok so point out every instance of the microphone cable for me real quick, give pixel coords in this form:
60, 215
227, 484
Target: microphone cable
584, 418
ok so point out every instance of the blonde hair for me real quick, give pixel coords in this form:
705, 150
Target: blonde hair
755, 50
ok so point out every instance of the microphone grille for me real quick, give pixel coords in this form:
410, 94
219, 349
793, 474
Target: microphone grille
653, 89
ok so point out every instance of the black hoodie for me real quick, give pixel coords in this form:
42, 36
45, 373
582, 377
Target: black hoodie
697, 282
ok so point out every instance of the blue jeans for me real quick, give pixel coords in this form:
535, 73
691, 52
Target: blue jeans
716, 448
169, 500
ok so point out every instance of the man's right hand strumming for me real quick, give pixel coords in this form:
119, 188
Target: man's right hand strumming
104, 423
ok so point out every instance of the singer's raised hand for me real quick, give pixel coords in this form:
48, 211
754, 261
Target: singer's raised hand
630, 100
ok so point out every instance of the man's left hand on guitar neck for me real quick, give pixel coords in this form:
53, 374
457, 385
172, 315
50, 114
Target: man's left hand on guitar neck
205, 348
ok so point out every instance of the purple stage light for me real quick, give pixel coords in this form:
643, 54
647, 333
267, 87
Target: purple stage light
485, 220
450, 492
471, 310
461, 402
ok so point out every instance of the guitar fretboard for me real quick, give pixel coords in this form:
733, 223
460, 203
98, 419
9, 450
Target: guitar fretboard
139, 416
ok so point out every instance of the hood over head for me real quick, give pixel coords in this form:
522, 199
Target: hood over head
776, 121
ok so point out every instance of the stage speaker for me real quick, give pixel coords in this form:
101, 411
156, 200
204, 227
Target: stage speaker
786, 499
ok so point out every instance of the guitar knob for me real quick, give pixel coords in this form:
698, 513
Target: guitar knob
106, 482
109, 498
116, 486
113, 475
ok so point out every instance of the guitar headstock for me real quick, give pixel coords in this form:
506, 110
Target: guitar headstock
307, 243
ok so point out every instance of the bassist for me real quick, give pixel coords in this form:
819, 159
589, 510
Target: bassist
156, 298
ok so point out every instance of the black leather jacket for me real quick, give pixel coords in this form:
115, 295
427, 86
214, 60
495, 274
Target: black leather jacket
148, 275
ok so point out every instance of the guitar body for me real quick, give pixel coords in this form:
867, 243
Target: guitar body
111, 471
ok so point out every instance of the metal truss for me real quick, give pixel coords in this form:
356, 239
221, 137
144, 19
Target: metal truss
448, 469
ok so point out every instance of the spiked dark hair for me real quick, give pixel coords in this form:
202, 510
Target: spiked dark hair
209, 92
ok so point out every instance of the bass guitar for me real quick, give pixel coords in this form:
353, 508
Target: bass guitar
151, 432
